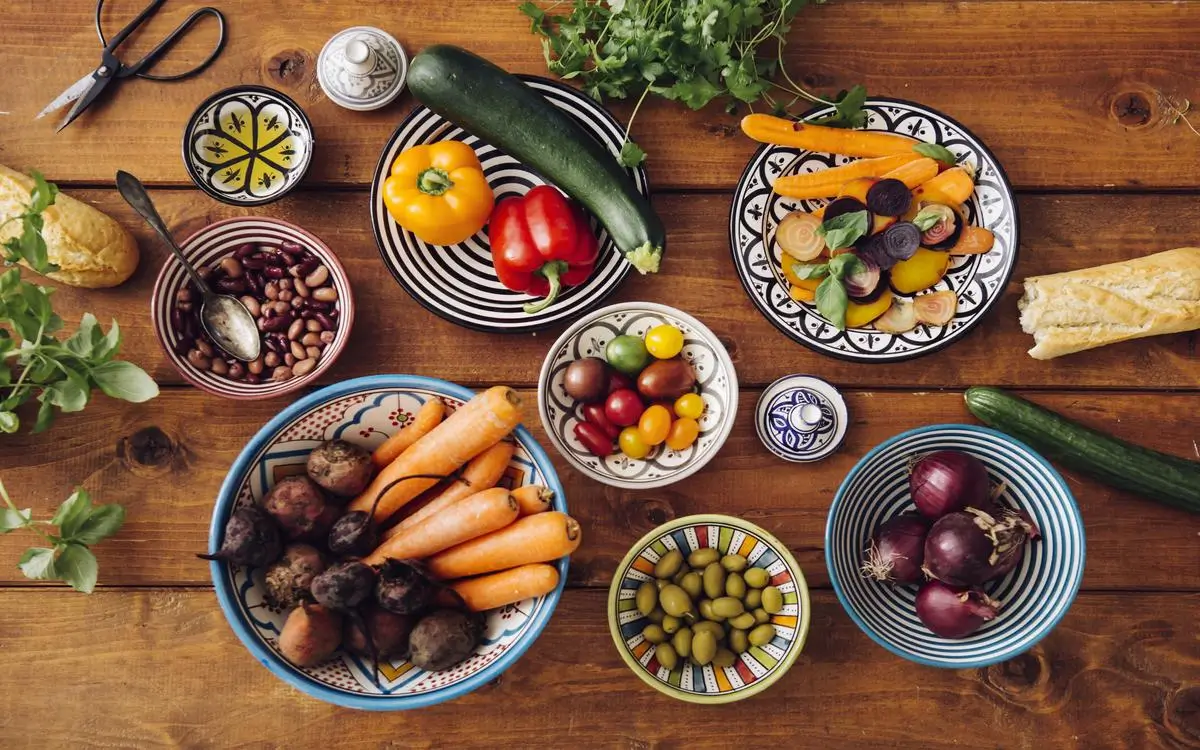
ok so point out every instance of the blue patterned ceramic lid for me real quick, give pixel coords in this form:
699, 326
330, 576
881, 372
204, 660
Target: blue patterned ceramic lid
801, 418
362, 68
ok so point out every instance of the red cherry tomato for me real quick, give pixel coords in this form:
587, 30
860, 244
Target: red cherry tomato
594, 413
594, 439
624, 407
618, 381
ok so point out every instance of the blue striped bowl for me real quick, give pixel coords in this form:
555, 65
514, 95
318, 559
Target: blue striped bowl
1033, 597
755, 670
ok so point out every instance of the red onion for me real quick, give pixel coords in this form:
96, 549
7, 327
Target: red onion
897, 550
971, 547
948, 481
954, 613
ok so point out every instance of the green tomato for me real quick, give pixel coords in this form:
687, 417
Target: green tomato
627, 354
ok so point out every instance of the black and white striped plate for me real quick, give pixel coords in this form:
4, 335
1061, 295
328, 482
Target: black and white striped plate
458, 282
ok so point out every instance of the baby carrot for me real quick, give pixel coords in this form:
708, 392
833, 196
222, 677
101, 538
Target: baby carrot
507, 586
538, 538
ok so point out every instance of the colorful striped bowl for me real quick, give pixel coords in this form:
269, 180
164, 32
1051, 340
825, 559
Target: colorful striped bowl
755, 670
1033, 597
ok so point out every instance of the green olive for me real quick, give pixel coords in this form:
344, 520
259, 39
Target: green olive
706, 610
683, 571
656, 615
708, 626
665, 653
752, 599
738, 641
735, 585
671, 624
761, 635
761, 616
674, 600
727, 606
654, 633
744, 621
682, 641
772, 600
757, 577
661, 583
714, 580
693, 584
704, 647
703, 557
724, 658
646, 598
734, 563
669, 564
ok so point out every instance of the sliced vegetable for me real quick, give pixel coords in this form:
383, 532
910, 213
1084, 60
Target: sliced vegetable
783, 132
828, 182
426, 418
952, 187
480, 473
974, 241
798, 237
857, 188
506, 587
936, 308
842, 206
845, 224
1148, 473
861, 315
889, 197
901, 317
901, 240
803, 293
862, 282
479, 514
538, 538
915, 172
924, 269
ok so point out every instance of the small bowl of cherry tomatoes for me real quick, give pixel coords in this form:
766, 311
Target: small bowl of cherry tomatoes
638, 395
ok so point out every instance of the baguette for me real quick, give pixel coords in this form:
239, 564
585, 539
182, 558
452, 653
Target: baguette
90, 248
1077, 310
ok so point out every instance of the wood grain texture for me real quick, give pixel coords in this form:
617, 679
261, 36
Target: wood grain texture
165, 461
1068, 94
394, 333
1118, 672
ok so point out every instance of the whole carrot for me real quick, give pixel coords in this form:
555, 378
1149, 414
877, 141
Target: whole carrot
507, 586
480, 473
784, 132
479, 514
533, 498
538, 538
426, 418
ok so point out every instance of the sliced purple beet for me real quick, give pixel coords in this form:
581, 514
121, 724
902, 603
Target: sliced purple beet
847, 205
889, 197
902, 240
865, 281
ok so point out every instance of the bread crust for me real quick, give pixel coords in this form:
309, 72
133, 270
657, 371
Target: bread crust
1078, 310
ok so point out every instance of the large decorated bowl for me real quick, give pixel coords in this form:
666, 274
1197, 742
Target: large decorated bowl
366, 411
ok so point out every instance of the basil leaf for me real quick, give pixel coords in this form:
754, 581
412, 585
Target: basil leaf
101, 524
73, 512
45, 416
843, 231
108, 347
124, 380
38, 563
82, 342
43, 195
832, 302
10, 519
936, 151
846, 263
71, 394
810, 270
78, 567
9, 422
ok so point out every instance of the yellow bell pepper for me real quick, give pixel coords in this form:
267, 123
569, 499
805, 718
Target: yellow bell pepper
438, 192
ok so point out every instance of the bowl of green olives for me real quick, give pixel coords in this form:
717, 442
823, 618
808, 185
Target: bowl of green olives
709, 609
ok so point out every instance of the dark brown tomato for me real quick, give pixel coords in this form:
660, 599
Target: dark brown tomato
666, 379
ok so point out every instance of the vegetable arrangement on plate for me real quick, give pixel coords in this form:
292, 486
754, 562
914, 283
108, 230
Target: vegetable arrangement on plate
895, 219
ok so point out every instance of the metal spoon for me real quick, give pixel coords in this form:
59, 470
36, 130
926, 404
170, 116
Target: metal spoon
223, 316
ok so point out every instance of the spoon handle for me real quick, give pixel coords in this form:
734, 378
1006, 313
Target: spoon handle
134, 193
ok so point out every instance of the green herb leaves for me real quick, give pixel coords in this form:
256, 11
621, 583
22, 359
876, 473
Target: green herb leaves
843, 231
848, 110
29, 245
831, 297
694, 52
80, 524
936, 151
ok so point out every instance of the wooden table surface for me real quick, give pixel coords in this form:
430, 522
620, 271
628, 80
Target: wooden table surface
1075, 97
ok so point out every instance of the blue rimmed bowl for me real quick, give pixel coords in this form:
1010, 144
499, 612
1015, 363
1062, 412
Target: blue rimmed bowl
1033, 597
366, 411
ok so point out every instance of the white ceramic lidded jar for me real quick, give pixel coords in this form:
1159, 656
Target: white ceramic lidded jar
362, 68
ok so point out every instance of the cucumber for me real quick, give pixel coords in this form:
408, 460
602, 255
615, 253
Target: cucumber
499, 108
1153, 475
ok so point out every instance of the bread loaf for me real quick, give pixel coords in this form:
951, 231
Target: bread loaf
90, 248
1078, 310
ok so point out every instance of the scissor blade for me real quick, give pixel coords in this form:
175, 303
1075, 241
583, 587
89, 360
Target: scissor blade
85, 101
74, 92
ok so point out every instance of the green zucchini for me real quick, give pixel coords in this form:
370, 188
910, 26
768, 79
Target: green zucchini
1153, 475
499, 108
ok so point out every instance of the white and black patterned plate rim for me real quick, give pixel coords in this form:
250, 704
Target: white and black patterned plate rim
906, 349
457, 283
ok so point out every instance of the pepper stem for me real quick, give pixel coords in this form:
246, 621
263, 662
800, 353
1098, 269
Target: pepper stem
552, 271
434, 181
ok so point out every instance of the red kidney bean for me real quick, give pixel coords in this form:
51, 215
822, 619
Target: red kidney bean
253, 379
325, 321
279, 323
317, 306
272, 345
243, 250
274, 272
176, 319
184, 345
281, 340
306, 267
334, 313
288, 258
306, 313
232, 286
254, 283
255, 263
291, 247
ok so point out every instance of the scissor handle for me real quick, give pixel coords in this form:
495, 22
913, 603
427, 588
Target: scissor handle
141, 67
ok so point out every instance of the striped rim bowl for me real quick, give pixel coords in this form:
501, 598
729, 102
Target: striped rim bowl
1033, 597
756, 669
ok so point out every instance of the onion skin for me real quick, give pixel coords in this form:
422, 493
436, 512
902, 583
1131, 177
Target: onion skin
948, 481
897, 550
971, 547
954, 612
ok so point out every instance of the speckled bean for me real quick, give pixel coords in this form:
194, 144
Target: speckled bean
325, 294
232, 267
220, 367
318, 277
196, 359
255, 366
295, 329
271, 290
314, 352
312, 325
271, 360
301, 288
312, 338
298, 351
283, 372
327, 337
304, 367
205, 348
289, 359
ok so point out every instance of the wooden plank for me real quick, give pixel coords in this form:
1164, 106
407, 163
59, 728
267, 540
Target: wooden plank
165, 461
1120, 671
394, 333
1065, 97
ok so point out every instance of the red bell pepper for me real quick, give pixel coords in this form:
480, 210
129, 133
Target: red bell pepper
541, 242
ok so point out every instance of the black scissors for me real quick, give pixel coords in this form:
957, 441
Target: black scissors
87, 89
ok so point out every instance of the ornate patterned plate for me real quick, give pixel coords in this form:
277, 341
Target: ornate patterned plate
755, 670
458, 282
366, 411
715, 377
801, 418
979, 280
247, 145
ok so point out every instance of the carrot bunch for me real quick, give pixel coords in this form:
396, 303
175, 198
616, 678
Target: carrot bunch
492, 546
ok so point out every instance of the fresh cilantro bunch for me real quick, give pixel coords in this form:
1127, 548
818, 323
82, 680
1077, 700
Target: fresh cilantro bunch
79, 525
61, 373
693, 51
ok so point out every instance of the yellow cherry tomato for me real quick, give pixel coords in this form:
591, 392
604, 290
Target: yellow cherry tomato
632, 444
654, 424
683, 433
438, 192
664, 341
689, 405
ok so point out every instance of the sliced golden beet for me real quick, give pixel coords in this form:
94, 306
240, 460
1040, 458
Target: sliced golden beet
918, 273
860, 315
